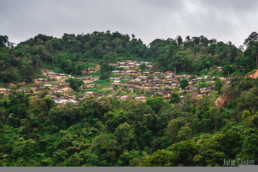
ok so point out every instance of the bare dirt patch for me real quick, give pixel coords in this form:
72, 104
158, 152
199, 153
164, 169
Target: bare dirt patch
254, 75
220, 101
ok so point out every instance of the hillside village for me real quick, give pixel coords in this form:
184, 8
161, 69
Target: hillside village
108, 99
128, 80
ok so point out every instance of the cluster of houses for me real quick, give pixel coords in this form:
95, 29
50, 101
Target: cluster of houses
130, 75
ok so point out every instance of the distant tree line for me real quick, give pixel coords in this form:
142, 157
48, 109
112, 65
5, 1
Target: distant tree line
71, 54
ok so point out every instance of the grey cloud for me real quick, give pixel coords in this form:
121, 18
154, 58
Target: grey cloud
236, 5
148, 19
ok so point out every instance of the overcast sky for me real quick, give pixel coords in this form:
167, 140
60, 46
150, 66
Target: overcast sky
225, 20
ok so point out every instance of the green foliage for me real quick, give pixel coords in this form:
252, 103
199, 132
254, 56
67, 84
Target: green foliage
218, 84
142, 66
173, 128
106, 146
104, 71
183, 83
174, 98
183, 152
158, 158
72, 54
3, 41
185, 133
249, 149
155, 103
75, 83
109, 132
124, 135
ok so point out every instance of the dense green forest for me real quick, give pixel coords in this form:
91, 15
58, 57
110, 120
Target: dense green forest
35, 131
110, 132
72, 53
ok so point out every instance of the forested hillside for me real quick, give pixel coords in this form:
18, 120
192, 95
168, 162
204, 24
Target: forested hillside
36, 132
71, 54
183, 130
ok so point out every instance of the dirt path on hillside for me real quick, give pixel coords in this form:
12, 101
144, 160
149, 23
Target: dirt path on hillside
220, 101
254, 75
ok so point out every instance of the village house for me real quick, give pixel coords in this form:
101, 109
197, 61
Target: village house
157, 73
183, 76
4, 90
131, 71
156, 79
89, 92
131, 64
48, 85
140, 98
34, 87
219, 68
190, 83
223, 79
117, 82
51, 74
174, 85
137, 65
168, 72
187, 88
70, 97
137, 80
124, 97
86, 78
199, 78
210, 88
64, 101
112, 64
124, 67
166, 96
194, 80
58, 100
116, 71
146, 73
206, 77
120, 63
56, 87
203, 91
114, 78
39, 89
144, 77
61, 74
41, 79
194, 88
92, 70
149, 66
210, 82
228, 82
51, 78
126, 77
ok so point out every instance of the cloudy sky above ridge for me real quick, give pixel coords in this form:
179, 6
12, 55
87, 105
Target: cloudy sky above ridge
225, 20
